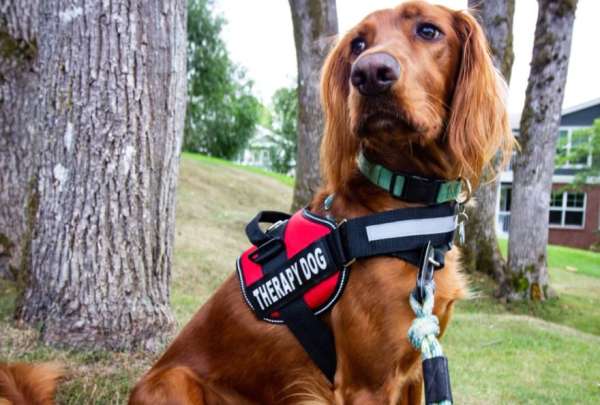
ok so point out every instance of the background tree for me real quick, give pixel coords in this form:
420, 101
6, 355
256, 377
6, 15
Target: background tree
18, 79
100, 208
480, 250
284, 126
527, 273
222, 112
315, 24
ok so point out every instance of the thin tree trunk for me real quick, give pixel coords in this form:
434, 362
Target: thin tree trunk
101, 210
480, 251
18, 93
315, 24
527, 273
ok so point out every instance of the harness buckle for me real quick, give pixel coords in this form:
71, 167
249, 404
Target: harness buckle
340, 228
267, 250
275, 225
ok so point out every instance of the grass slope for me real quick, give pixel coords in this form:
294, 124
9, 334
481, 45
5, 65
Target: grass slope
498, 354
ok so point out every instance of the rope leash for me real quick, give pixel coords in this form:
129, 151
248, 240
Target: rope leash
422, 335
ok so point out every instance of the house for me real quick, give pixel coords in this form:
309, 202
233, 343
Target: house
257, 151
264, 146
574, 218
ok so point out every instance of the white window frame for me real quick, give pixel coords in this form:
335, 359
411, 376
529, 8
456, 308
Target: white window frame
502, 215
563, 209
569, 165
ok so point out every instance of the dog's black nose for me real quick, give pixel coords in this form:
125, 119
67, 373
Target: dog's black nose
375, 73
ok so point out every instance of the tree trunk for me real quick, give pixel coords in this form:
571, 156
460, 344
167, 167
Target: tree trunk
18, 92
527, 273
315, 24
480, 251
100, 213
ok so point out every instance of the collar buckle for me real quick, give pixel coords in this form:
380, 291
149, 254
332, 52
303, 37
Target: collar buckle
393, 178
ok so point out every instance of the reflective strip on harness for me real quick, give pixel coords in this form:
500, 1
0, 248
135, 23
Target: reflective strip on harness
411, 227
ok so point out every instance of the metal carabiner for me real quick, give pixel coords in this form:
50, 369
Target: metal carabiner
426, 269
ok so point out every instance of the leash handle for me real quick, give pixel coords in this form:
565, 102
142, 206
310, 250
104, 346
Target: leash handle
422, 335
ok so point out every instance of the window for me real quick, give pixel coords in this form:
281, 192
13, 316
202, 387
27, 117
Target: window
568, 141
567, 210
505, 198
504, 208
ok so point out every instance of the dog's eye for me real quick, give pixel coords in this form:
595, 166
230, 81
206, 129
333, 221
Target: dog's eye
358, 45
428, 31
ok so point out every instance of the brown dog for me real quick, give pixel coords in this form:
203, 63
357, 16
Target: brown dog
414, 88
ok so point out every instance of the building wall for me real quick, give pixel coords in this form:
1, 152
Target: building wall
590, 234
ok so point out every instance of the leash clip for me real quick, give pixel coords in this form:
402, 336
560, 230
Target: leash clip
426, 269
461, 218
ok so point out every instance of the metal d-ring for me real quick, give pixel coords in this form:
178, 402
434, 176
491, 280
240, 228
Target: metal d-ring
469, 190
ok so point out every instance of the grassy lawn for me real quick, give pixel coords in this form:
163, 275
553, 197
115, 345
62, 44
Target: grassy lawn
564, 258
498, 353
574, 275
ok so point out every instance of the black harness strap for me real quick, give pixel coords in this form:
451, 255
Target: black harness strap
311, 332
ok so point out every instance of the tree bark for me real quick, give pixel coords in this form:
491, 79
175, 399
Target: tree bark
480, 251
18, 79
100, 212
527, 273
315, 24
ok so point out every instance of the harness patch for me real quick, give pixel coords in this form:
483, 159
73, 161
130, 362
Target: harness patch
298, 266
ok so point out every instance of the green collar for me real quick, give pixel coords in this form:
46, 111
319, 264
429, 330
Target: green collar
409, 187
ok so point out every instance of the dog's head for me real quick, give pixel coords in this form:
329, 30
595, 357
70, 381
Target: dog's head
414, 83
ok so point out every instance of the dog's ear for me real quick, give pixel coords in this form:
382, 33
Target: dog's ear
338, 147
478, 127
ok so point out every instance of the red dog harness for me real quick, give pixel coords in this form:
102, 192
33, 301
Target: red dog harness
306, 277
297, 268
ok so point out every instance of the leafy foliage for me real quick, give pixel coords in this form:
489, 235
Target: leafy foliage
222, 112
584, 142
284, 126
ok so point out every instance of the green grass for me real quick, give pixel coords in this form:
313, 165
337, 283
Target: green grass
498, 353
561, 257
508, 359
577, 304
